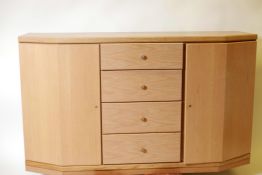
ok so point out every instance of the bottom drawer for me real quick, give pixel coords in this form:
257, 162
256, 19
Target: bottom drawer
141, 148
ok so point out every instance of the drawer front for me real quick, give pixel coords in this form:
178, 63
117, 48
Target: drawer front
141, 117
141, 148
141, 85
142, 56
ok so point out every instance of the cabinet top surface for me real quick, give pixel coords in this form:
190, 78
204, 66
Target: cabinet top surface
125, 37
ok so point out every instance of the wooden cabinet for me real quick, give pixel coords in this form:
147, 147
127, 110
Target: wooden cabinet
137, 103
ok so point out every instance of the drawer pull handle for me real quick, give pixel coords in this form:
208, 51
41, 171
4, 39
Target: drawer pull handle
143, 150
143, 119
144, 87
144, 57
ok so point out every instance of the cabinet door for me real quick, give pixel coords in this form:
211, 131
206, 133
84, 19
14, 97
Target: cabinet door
219, 84
61, 103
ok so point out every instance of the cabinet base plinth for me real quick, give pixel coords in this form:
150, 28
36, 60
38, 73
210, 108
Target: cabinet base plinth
115, 172
132, 169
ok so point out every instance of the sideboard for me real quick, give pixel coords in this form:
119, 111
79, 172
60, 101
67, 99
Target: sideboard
137, 103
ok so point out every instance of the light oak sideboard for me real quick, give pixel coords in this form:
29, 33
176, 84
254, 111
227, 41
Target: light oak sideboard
137, 103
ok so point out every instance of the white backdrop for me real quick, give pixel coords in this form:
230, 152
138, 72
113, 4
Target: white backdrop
21, 16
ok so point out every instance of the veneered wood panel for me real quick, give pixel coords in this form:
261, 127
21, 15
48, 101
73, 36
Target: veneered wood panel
40, 90
141, 117
61, 103
141, 148
141, 85
204, 102
142, 56
218, 101
241, 63
142, 37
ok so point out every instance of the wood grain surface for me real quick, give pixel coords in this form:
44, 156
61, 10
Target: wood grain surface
142, 56
141, 117
141, 148
61, 103
146, 37
141, 85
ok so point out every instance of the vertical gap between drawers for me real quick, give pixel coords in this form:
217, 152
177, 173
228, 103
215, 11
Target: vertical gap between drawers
101, 124
183, 105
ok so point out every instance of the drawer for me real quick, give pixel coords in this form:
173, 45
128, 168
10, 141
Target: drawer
141, 148
142, 56
141, 117
141, 85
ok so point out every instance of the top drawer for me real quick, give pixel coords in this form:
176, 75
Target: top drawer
142, 56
